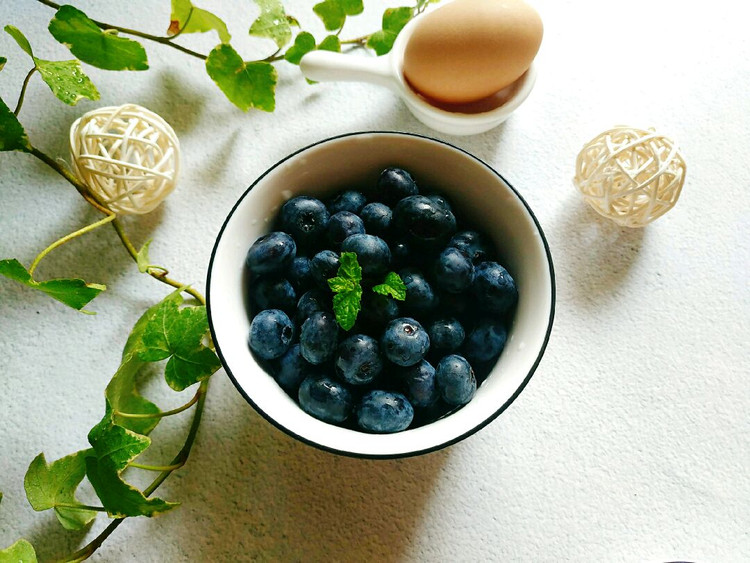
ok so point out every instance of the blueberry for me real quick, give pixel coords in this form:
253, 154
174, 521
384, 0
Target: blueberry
485, 341
455, 380
446, 335
494, 287
395, 184
420, 385
274, 293
318, 337
379, 309
373, 253
441, 201
305, 218
358, 360
271, 333
400, 254
384, 412
292, 369
342, 225
405, 342
423, 221
299, 273
473, 244
311, 302
350, 201
325, 399
420, 296
271, 253
377, 218
454, 272
324, 266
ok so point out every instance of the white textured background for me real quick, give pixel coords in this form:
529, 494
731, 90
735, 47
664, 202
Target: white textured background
629, 444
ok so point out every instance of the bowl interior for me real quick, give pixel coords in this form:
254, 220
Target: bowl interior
476, 191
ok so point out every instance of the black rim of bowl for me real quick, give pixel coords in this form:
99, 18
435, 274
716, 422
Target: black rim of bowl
442, 445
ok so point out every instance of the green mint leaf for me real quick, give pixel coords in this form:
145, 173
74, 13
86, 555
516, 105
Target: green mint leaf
272, 22
393, 286
330, 43
141, 258
333, 12
114, 446
73, 292
67, 81
341, 284
3, 60
346, 307
349, 267
90, 44
394, 20
247, 85
123, 396
118, 497
20, 552
12, 135
177, 334
49, 485
303, 44
20, 38
183, 20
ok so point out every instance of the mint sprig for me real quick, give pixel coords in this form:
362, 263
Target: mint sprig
347, 298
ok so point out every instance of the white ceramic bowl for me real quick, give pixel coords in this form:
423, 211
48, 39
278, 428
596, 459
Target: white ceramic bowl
475, 190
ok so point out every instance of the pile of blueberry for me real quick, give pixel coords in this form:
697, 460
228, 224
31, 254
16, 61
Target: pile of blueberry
404, 363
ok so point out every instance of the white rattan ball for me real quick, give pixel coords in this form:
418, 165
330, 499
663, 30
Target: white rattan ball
127, 155
630, 175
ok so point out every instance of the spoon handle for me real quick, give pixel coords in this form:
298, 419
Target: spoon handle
327, 66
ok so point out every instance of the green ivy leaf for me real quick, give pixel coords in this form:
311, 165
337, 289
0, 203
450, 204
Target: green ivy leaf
394, 20
20, 552
303, 44
12, 134
177, 334
19, 37
200, 21
330, 43
393, 285
115, 446
333, 12
118, 497
272, 22
102, 49
134, 344
123, 396
49, 485
247, 85
3, 60
73, 292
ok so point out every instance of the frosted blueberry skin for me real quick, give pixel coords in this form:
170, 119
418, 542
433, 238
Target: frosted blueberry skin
454, 272
405, 342
325, 399
349, 201
376, 218
423, 222
372, 252
271, 254
324, 266
304, 218
420, 384
473, 244
384, 412
456, 380
485, 341
274, 293
378, 310
393, 185
291, 369
299, 273
420, 297
446, 335
311, 302
271, 334
358, 359
319, 337
342, 225
494, 287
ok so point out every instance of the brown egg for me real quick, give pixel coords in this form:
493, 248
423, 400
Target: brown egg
469, 49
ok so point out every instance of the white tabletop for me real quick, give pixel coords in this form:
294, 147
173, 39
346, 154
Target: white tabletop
630, 443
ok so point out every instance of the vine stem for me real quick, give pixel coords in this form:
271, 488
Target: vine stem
180, 459
80, 507
171, 467
178, 410
67, 238
22, 95
136, 33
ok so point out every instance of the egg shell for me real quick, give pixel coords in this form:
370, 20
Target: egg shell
468, 50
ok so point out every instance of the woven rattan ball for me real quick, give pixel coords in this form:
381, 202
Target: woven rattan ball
127, 155
630, 175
